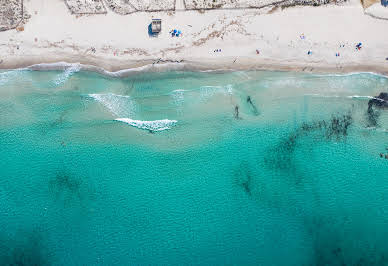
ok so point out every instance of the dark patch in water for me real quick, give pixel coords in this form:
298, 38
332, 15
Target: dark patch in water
280, 157
47, 126
372, 117
247, 184
379, 102
25, 248
59, 120
338, 126
68, 188
253, 107
243, 178
332, 247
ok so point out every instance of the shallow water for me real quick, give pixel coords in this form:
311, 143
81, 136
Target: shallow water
295, 178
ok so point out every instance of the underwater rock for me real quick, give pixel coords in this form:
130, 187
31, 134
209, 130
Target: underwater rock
372, 116
331, 247
243, 178
68, 188
338, 126
25, 248
380, 102
62, 181
280, 156
247, 184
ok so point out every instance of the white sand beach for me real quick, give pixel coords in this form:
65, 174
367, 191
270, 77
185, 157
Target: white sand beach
282, 38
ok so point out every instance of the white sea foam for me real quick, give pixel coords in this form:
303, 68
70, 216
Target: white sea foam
68, 72
156, 125
351, 74
244, 75
53, 66
6, 76
209, 91
282, 82
146, 68
322, 95
383, 130
123, 105
119, 105
178, 97
366, 97
165, 67
362, 97
120, 73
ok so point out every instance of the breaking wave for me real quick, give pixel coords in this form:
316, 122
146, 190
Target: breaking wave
365, 97
68, 72
6, 76
351, 74
119, 105
156, 125
361, 97
123, 105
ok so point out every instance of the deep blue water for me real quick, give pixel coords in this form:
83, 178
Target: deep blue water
293, 176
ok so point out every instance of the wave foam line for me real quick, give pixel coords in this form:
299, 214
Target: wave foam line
69, 71
171, 66
6, 76
363, 97
190, 66
350, 74
156, 125
119, 105
122, 104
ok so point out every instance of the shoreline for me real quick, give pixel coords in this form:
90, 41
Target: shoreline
249, 39
129, 68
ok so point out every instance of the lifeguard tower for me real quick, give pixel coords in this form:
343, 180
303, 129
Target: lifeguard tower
156, 26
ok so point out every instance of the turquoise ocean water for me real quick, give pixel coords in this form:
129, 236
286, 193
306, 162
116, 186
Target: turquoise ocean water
292, 176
